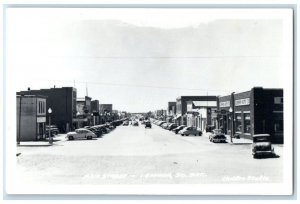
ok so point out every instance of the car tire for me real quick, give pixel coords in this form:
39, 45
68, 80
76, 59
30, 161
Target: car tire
186, 135
182, 134
200, 134
70, 138
89, 137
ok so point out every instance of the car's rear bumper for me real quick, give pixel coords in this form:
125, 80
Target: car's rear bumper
262, 152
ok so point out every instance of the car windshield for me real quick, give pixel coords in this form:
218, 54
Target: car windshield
261, 139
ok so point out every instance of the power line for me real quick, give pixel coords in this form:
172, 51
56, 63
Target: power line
166, 57
142, 86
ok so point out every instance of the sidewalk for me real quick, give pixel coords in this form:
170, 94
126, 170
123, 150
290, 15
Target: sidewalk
234, 140
41, 143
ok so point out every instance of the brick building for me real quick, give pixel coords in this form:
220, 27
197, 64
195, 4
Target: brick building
253, 112
31, 117
62, 101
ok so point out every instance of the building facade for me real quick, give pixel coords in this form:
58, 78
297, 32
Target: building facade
106, 113
31, 117
202, 114
84, 112
197, 109
95, 108
171, 114
62, 101
252, 112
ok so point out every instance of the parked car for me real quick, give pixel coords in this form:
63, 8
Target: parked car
190, 131
126, 123
176, 130
262, 145
161, 123
217, 136
53, 128
103, 129
135, 123
81, 133
165, 125
96, 131
214, 133
172, 126
148, 124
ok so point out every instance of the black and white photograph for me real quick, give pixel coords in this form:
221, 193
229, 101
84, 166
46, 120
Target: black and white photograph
148, 101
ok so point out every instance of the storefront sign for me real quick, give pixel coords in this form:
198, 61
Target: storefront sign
225, 104
242, 102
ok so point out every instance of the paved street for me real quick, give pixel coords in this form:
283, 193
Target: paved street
135, 155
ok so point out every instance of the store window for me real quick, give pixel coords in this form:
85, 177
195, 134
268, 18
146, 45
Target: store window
278, 122
247, 123
238, 122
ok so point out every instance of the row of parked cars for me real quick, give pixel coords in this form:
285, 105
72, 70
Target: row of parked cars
182, 129
90, 132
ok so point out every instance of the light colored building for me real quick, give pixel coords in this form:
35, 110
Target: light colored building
31, 117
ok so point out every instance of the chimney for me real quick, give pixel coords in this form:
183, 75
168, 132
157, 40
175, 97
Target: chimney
54, 86
28, 88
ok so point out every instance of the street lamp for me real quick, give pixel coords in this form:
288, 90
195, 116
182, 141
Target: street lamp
49, 129
77, 114
93, 119
231, 123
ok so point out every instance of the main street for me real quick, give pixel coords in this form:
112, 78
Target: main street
135, 155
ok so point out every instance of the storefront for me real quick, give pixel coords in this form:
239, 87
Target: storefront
256, 111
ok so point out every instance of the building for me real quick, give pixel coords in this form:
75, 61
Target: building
62, 101
202, 114
31, 117
95, 108
106, 112
161, 114
171, 115
196, 110
253, 112
84, 112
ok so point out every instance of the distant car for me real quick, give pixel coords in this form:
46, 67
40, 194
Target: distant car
217, 136
81, 133
126, 123
176, 130
190, 131
148, 124
262, 145
135, 123
172, 126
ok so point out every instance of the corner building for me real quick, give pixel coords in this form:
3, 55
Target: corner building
252, 112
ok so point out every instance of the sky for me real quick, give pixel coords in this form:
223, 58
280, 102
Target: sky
140, 59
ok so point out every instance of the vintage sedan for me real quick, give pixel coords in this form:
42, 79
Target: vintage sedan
176, 130
172, 126
135, 123
217, 136
81, 133
262, 145
148, 124
190, 131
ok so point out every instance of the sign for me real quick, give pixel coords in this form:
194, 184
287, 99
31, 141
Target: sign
242, 102
225, 104
41, 119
